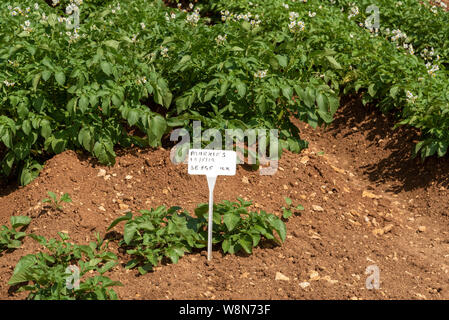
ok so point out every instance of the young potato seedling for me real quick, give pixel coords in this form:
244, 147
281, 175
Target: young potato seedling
11, 238
55, 202
288, 211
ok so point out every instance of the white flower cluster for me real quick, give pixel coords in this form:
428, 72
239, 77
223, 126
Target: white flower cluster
332, 1
194, 17
285, 5
295, 25
410, 97
55, 2
26, 26
142, 25
114, 10
293, 15
371, 28
431, 69
71, 8
441, 4
255, 23
409, 47
18, 11
164, 51
354, 11
73, 36
434, 9
170, 16
398, 34
220, 39
260, 74
248, 17
191, 6
141, 80
9, 84
312, 14
226, 15
429, 55
74, 10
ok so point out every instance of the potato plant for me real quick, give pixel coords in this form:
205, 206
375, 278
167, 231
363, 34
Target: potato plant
11, 238
163, 233
47, 275
156, 234
237, 229
55, 202
288, 211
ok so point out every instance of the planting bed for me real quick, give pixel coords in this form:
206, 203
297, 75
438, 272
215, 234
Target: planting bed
90, 92
375, 203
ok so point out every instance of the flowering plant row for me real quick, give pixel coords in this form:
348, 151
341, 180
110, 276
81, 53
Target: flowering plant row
400, 65
99, 74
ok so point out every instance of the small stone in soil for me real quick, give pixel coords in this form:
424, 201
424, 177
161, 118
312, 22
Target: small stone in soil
282, 277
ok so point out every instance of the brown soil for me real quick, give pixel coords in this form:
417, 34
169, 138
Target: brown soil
375, 200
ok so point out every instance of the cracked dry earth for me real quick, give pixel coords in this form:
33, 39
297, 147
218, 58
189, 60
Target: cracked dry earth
367, 202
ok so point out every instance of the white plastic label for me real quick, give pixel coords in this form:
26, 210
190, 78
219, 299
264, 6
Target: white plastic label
212, 162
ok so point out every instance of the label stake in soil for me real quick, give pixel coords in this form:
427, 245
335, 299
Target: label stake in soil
211, 163
211, 184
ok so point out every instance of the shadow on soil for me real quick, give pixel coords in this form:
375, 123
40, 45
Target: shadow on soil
394, 163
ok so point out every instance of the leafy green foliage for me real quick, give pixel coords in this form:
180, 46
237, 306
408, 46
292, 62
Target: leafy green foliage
156, 234
384, 70
161, 233
140, 66
287, 212
85, 92
11, 238
55, 202
237, 229
45, 275
425, 25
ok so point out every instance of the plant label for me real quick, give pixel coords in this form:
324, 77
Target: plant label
211, 163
